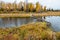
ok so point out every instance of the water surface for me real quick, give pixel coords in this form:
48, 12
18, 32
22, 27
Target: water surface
55, 22
12, 22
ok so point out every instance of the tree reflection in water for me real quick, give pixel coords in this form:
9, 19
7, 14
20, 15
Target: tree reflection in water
11, 22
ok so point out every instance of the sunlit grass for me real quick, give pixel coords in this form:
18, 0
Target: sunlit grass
31, 31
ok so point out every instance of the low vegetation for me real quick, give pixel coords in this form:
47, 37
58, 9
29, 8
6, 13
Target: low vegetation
31, 31
58, 35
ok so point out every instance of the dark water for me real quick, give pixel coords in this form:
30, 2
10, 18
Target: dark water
12, 22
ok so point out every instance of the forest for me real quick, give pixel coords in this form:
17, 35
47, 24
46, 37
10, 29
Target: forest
22, 6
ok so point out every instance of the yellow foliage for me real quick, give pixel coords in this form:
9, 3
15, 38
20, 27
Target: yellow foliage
8, 6
25, 7
3, 5
38, 7
31, 7
44, 8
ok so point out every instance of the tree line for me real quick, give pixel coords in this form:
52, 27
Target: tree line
22, 6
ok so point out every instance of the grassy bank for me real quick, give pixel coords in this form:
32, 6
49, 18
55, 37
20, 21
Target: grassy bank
29, 14
31, 31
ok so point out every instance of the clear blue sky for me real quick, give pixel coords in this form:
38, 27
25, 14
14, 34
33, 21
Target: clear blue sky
55, 4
